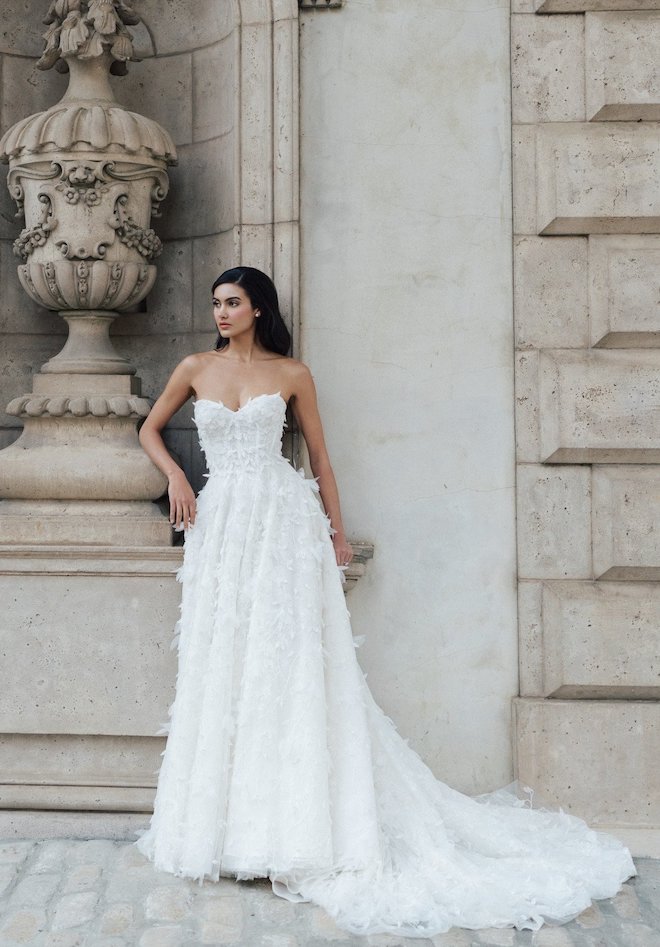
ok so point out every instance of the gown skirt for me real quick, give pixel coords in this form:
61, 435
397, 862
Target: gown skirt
280, 764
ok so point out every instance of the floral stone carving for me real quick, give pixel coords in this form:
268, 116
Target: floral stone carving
87, 174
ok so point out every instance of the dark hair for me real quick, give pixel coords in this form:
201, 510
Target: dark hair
270, 329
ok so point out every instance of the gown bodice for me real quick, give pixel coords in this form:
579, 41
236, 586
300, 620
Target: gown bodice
243, 440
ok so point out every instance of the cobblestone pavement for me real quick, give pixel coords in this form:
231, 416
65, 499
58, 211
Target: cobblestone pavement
103, 893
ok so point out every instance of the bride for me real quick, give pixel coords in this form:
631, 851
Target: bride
279, 763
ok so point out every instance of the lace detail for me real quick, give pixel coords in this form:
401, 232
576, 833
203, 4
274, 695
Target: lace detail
279, 762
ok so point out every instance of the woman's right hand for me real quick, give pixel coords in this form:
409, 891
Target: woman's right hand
183, 504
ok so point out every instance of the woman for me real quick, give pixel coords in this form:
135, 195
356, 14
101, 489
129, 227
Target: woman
279, 763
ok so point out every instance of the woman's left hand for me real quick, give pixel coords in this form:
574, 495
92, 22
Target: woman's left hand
343, 550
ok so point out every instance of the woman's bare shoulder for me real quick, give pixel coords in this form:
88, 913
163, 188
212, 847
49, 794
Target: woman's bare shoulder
196, 360
295, 369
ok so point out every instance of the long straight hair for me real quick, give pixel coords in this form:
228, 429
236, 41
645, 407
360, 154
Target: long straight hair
270, 328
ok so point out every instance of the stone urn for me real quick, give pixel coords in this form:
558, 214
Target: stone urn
88, 175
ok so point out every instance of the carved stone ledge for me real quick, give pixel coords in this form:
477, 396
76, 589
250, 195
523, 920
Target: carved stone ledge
38, 406
362, 552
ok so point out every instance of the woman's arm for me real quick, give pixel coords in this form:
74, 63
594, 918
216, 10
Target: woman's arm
176, 392
306, 411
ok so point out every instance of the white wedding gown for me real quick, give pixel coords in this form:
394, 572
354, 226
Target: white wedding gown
279, 763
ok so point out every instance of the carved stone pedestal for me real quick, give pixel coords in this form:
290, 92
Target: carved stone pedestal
87, 568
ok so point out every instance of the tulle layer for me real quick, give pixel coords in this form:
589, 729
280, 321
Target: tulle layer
280, 764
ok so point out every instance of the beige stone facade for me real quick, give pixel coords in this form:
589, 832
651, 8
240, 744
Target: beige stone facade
586, 192
493, 427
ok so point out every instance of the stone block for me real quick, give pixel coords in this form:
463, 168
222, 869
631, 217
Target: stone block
21, 927
547, 69
286, 97
169, 304
601, 178
84, 522
597, 759
189, 24
585, 640
600, 406
286, 241
22, 355
35, 889
256, 242
550, 292
530, 638
22, 33
167, 903
202, 193
89, 637
624, 291
626, 522
41, 824
554, 522
161, 89
256, 134
26, 89
594, 6
622, 81
72, 910
528, 445
215, 88
211, 255
524, 179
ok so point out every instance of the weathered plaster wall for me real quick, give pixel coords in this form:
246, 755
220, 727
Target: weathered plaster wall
406, 324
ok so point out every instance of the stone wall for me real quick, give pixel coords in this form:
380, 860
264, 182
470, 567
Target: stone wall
586, 99
406, 306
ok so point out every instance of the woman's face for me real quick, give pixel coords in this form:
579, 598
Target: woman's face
232, 310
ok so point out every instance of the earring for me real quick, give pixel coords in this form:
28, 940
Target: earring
257, 313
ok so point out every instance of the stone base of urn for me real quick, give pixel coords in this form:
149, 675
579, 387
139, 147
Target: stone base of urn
90, 600
77, 473
88, 675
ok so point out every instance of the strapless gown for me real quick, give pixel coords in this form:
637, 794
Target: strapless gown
280, 764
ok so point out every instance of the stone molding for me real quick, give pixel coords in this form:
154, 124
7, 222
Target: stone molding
599, 406
79, 406
597, 178
595, 6
589, 640
595, 758
624, 305
621, 75
626, 514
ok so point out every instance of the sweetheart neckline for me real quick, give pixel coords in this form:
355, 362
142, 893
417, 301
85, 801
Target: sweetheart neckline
218, 401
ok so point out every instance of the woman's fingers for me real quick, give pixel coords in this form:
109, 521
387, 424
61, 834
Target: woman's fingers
183, 507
